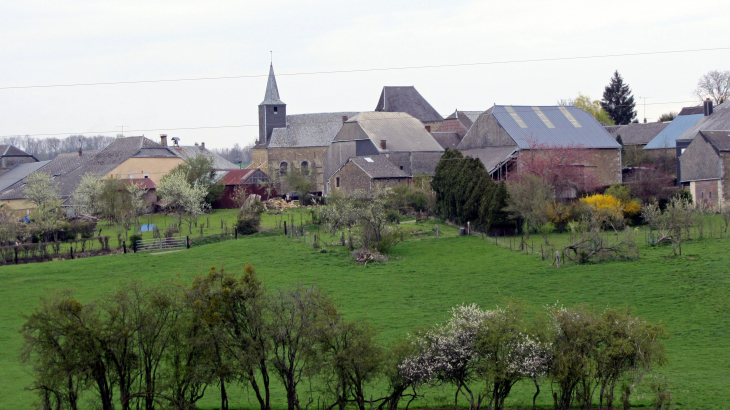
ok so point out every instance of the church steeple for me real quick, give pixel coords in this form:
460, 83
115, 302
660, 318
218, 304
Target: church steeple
272, 91
272, 111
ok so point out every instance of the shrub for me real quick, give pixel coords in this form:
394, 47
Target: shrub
134, 238
248, 224
393, 216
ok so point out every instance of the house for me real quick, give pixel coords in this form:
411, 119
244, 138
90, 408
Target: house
188, 152
705, 168
125, 158
11, 156
668, 145
149, 186
409, 100
636, 134
502, 133
293, 142
366, 173
18, 172
399, 137
454, 128
250, 179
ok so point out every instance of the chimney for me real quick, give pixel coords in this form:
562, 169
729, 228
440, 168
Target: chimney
344, 119
202, 146
163, 140
382, 144
428, 128
196, 144
708, 107
80, 152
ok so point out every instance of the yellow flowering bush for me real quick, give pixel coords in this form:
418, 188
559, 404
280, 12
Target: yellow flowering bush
611, 206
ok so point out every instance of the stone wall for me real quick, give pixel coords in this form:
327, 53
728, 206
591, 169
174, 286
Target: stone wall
606, 165
706, 193
294, 158
351, 178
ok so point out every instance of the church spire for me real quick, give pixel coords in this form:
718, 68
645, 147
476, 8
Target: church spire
272, 91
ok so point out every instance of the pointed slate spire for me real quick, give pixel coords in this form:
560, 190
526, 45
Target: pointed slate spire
272, 91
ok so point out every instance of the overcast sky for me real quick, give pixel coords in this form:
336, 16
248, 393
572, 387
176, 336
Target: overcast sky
65, 42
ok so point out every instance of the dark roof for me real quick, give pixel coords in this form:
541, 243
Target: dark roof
550, 125
719, 139
308, 130
638, 133
668, 136
12, 151
491, 157
470, 115
272, 91
188, 152
62, 164
161, 152
408, 100
378, 166
719, 120
18, 172
447, 139
692, 110
402, 132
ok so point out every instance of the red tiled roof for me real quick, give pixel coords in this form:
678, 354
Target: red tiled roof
237, 176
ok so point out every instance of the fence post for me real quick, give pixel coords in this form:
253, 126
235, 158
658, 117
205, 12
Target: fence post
72, 254
437, 231
235, 231
124, 245
207, 219
15, 249
284, 228
187, 241
134, 246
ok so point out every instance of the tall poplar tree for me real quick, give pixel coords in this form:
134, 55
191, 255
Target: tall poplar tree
618, 101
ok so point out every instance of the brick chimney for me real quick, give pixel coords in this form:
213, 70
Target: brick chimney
708, 107
202, 146
163, 140
80, 152
344, 118
383, 144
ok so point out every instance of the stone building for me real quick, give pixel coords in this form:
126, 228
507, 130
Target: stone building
293, 142
409, 100
454, 128
366, 173
705, 168
399, 137
500, 134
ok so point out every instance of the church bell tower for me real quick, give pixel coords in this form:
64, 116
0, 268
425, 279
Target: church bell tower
272, 111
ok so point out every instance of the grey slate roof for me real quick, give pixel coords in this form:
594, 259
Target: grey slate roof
308, 130
491, 157
187, 152
12, 151
447, 139
378, 166
669, 135
402, 132
719, 139
551, 125
700, 109
408, 100
61, 165
272, 91
471, 115
638, 133
160, 152
719, 120
18, 172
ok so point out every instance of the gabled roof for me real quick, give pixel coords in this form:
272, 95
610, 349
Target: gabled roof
236, 176
469, 115
61, 165
187, 152
400, 131
692, 110
144, 183
638, 133
378, 166
719, 120
272, 91
447, 139
308, 130
491, 157
720, 140
667, 138
18, 172
408, 100
550, 125
12, 151
161, 152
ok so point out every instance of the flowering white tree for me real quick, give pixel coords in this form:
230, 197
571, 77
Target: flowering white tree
87, 195
187, 201
528, 357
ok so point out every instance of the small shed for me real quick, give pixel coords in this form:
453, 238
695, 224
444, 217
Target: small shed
250, 179
366, 173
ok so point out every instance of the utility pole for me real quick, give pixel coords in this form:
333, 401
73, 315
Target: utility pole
644, 98
122, 127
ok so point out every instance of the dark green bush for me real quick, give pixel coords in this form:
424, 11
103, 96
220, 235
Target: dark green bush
248, 224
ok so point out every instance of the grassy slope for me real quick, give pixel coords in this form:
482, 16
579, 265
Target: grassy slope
689, 295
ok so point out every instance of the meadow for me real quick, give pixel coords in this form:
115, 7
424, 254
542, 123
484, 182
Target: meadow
423, 279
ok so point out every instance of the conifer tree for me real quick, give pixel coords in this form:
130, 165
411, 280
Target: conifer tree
618, 101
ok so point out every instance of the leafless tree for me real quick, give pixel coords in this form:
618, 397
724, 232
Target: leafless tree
714, 85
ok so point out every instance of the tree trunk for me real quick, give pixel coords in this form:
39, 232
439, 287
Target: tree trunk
534, 398
224, 395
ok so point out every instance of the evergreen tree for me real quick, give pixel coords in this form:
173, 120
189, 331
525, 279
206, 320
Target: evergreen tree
618, 101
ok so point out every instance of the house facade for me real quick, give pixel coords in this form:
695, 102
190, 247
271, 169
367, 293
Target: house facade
454, 128
367, 173
705, 168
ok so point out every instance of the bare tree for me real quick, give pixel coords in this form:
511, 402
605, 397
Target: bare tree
714, 85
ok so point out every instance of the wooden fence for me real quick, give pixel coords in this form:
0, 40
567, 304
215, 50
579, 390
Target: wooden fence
159, 244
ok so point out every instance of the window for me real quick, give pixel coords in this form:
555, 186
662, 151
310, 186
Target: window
146, 175
283, 168
305, 168
401, 167
276, 110
337, 182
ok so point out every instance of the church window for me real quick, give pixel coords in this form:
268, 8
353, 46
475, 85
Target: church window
283, 168
337, 181
276, 110
305, 168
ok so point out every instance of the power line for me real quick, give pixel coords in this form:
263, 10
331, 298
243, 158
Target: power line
20, 87
517, 109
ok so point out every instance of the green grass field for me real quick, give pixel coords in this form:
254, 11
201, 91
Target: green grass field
417, 287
